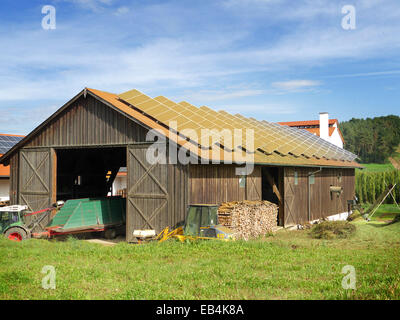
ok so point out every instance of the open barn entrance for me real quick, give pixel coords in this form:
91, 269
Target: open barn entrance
88, 172
84, 179
272, 188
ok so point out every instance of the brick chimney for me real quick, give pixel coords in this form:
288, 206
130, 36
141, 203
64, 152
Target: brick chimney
324, 125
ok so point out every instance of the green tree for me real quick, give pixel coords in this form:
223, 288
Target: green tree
373, 140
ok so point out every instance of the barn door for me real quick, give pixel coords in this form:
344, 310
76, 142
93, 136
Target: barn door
147, 192
35, 179
253, 185
289, 216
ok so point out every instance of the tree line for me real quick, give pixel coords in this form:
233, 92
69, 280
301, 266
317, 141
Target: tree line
372, 139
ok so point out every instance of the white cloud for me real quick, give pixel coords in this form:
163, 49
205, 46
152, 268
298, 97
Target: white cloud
36, 63
234, 3
216, 95
191, 56
94, 5
262, 110
366, 74
122, 10
296, 85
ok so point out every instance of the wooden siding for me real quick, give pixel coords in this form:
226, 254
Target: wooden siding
156, 193
214, 184
322, 203
89, 122
36, 187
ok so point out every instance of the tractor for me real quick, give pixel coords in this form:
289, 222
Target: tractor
13, 222
106, 215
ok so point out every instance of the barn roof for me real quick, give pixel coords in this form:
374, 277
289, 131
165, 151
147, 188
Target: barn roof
184, 124
306, 123
4, 170
7, 141
313, 126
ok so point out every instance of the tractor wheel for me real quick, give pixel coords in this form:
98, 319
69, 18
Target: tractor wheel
16, 234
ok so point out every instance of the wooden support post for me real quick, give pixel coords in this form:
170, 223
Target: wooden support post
53, 163
273, 185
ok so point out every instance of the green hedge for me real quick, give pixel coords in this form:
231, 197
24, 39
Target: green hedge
369, 185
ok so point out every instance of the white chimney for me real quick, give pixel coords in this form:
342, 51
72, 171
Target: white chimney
324, 125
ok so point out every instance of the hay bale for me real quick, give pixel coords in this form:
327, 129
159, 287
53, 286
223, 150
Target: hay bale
248, 219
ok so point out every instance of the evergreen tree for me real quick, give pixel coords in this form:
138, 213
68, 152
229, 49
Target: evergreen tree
373, 140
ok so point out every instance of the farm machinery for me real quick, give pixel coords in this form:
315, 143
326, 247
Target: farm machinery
74, 216
201, 223
105, 215
14, 221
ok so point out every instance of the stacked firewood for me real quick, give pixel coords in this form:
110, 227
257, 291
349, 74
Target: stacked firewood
248, 219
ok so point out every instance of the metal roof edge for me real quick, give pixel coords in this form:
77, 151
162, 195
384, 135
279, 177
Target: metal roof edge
306, 166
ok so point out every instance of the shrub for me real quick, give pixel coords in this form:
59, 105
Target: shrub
333, 230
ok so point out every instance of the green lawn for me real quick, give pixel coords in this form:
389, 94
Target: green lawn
380, 167
289, 265
377, 167
385, 213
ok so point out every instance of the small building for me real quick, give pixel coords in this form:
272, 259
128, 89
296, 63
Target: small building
120, 183
176, 154
7, 141
325, 128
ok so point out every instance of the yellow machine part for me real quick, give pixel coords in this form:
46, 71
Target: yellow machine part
178, 234
166, 234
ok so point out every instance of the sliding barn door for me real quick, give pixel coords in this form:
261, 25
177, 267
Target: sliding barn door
36, 179
147, 192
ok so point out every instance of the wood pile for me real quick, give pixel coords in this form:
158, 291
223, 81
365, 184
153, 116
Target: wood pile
248, 219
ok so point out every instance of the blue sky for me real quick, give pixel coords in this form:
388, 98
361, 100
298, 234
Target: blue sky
279, 60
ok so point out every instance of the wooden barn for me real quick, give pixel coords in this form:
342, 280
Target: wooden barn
78, 151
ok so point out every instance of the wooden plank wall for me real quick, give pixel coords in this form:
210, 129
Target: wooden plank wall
89, 122
178, 184
323, 204
157, 194
35, 178
214, 184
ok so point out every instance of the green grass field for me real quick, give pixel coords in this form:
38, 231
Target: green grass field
380, 167
377, 167
288, 265
385, 213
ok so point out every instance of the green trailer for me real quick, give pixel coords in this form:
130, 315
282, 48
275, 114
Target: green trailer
89, 215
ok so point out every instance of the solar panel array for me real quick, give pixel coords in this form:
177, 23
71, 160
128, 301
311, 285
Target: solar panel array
191, 122
7, 142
